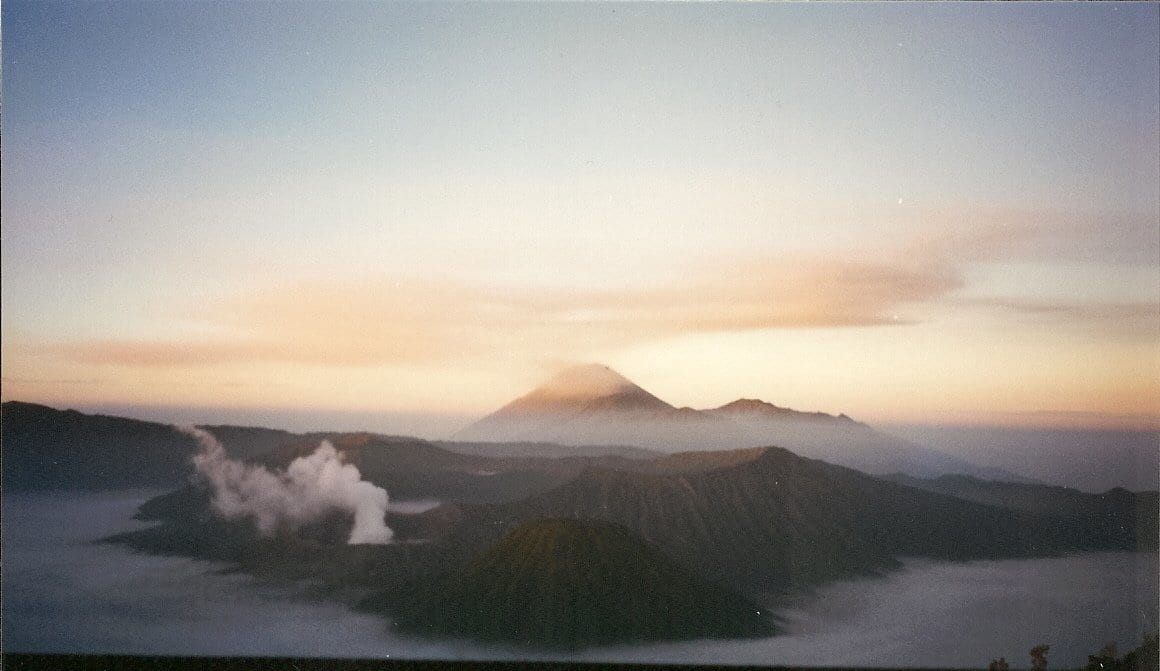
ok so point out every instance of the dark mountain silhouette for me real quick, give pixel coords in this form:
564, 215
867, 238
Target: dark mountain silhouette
767, 519
1116, 519
51, 449
45, 448
694, 462
249, 442
415, 468
540, 449
760, 522
566, 583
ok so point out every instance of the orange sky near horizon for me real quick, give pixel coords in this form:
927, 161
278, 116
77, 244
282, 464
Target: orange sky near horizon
907, 214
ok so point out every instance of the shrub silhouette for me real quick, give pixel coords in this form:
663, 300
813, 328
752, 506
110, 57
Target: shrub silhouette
1144, 658
1039, 657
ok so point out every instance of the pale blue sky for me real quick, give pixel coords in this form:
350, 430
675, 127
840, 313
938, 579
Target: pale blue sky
163, 160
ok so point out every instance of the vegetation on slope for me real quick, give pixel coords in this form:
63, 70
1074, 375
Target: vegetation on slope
566, 583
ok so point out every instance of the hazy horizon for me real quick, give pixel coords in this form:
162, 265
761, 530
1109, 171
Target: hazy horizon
1093, 459
441, 426
909, 213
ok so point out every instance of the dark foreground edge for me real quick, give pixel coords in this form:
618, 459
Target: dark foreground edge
19, 662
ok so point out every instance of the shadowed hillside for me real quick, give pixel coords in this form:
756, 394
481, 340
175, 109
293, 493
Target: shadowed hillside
538, 449
52, 449
760, 522
45, 448
570, 584
1116, 519
770, 520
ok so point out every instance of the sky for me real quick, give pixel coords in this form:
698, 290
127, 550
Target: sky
409, 214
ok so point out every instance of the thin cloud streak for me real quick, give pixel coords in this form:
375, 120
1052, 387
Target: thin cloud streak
1136, 318
776, 293
146, 354
378, 323
382, 322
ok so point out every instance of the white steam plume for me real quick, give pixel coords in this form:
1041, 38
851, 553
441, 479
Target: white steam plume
309, 488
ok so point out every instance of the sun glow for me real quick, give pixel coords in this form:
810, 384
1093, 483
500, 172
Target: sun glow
437, 209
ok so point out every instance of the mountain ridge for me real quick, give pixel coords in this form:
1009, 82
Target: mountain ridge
739, 527
602, 413
770, 520
567, 584
756, 406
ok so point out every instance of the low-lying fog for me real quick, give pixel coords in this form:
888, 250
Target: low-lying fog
1093, 460
63, 594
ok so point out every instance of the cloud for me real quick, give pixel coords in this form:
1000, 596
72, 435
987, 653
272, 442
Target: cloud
145, 354
385, 321
51, 381
764, 294
1130, 319
972, 233
388, 322
1106, 311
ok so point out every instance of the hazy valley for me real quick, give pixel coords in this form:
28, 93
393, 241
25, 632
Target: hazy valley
306, 311
600, 541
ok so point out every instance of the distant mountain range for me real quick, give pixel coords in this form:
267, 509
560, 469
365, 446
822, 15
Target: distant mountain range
1116, 518
48, 449
736, 530
45, 448
595, 405
768, 520
516, 548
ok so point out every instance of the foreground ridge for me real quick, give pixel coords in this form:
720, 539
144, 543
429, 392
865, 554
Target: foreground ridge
568, 583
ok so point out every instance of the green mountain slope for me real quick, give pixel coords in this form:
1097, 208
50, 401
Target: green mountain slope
775, 521
571, 583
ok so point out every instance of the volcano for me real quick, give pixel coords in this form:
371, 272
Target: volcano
568, 584
594, 405
580, 390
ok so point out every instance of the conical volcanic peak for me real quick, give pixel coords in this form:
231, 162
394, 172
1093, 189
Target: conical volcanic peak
589, 388
593, 405
586, 381
590, 404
